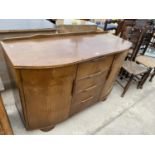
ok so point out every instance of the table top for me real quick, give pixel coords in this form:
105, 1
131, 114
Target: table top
13, 25
49, 51
146, 61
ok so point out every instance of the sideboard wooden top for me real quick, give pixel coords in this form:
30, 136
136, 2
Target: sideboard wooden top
50, 51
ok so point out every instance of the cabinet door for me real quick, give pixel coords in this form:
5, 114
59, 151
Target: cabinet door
47, 94
91, 76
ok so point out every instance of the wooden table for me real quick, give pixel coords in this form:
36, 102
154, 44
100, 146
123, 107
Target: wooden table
20, 27
70, 25
58, 76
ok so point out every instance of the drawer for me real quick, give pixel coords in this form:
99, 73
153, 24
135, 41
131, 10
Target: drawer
87, 95
90, 82
82, 104
85, 99
94, 66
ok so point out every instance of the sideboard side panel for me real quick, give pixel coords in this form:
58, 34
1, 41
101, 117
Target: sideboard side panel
115, 68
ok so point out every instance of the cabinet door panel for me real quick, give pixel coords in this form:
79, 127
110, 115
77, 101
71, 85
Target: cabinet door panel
47, 97
115, 68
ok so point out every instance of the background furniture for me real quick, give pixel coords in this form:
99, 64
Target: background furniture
134, 35
130, 69
82, 70
107, 24
146, 39
123, 24
74, 25
20, 27
133, 71
5, 127
111, 24
148, 62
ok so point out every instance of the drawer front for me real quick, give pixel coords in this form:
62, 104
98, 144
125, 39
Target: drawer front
90, 82
94, 66
83, 104
85, 98
86, 94
82, 101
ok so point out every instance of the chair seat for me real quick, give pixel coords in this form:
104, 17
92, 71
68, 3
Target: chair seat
130, 51
134, 68
146, 61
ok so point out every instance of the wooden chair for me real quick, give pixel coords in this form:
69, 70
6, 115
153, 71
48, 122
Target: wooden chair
5, 127
149, 62
135, 72
146, 43
130, 69
153, 75
146, 39
134, 35
123, 24
143, 23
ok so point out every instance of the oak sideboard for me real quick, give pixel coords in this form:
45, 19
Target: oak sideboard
58, 76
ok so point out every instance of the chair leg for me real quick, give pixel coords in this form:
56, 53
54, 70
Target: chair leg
127, 85
152, 76
126, 75
144, 78
122, 73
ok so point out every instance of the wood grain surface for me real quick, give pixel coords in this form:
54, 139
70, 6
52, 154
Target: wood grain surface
61, 50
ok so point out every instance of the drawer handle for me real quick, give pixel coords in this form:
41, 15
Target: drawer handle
92, 75
95, 74
88, 89
89, 98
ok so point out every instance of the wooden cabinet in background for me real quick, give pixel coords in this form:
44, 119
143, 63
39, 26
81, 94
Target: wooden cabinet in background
58, 76
75, 26
5, 127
